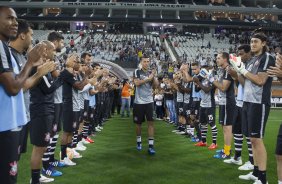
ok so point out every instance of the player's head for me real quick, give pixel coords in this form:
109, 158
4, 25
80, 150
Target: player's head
24, 35
195, 68
86, 58
8, 23
258, 43
222, 59
145, 62
244, 51
57, 39
51, 51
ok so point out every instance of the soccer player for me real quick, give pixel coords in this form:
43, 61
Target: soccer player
58, 40
256, 107
42, 118
277, 71
86, 59
18, 46
207, 109
12, 80
144, 102
225, 84
195, 106
70, 121
244, 51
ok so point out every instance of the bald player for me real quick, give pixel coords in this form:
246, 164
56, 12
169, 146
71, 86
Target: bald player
42, 115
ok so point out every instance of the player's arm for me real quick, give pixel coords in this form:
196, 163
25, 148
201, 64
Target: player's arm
14, 83
258, 79
92, 91
183, 89
138, 82
155, 83
41, 71
261, 77
206, 89
222, 86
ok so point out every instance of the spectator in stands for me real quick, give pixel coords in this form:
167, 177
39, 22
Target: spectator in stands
72, 43
159, 98
125, 98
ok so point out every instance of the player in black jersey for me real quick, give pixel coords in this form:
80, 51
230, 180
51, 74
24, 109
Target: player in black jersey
42, 116
225, 84
277, 71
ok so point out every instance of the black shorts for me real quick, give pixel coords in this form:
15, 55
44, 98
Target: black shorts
23, 138
187, 109
57, 127
226, 114
41, 130
80, 118
237, 122
76, 122
86, 110
179, 108
279, 142
207, 115
142, 111
70, 121
9, 154
255, 117
91, 113
195, 108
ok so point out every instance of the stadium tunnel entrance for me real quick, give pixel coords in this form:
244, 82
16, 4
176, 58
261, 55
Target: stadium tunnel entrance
114, 69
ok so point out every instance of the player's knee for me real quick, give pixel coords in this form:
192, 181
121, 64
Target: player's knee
279, 158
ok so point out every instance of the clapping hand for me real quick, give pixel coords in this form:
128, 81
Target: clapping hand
276, 70
237, 64
47, 67
37, 54
184, 67
204, 73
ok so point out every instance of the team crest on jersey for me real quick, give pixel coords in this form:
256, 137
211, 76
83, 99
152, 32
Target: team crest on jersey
85, 114
250, 67
47, 137
135, 118
206, 82
180, 109
188, 112
257, 63
55, 127
91, 115
14, 168
74, 125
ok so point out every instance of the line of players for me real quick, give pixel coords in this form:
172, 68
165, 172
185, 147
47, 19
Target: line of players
244, 92
39, 93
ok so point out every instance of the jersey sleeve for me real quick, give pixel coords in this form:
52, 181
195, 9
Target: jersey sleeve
68, 77
136, 74
266, 62
5, 61
227, 76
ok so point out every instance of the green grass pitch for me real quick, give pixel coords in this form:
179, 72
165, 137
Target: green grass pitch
113, 159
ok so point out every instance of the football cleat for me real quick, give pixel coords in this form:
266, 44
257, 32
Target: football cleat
212, 146
201, 144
